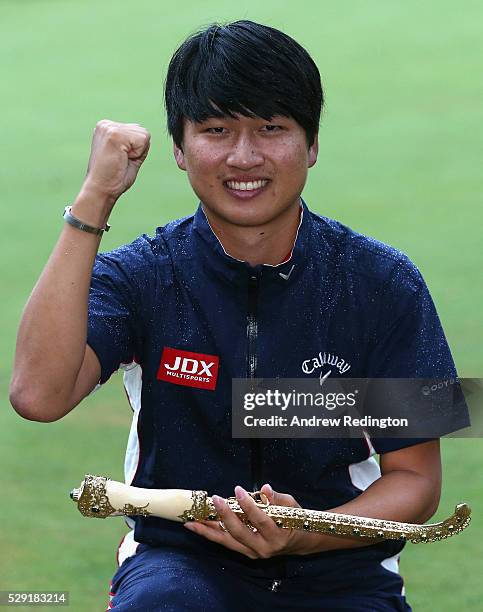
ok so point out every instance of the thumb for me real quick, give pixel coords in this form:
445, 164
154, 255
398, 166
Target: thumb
139, 151
136, 157
279, 499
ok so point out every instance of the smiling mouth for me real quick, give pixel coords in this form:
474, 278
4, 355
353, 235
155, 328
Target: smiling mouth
246, 185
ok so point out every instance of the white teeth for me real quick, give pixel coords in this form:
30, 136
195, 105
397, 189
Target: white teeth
250, 186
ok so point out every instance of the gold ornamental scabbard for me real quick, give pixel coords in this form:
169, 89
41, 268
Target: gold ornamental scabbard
346, 525
101, 497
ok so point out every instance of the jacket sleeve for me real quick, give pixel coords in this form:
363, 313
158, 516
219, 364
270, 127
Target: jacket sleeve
116, 294
411, 344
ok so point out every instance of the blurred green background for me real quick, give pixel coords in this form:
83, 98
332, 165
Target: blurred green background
401, 158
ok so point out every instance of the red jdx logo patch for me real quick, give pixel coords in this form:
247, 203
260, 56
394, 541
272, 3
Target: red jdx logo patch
188, 369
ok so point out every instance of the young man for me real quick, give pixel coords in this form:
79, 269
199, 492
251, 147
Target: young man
252, 285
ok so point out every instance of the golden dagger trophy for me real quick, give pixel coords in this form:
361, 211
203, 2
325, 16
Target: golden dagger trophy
100, 497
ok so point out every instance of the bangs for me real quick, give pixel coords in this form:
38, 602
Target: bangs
223, 84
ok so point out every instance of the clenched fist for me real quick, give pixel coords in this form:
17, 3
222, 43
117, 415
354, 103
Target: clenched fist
117, 152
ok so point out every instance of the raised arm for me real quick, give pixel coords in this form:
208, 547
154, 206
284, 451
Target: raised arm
54, 368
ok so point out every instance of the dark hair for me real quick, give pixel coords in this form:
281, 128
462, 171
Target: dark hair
242, 68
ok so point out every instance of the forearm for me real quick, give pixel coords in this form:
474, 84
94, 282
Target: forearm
51, 339
399, 495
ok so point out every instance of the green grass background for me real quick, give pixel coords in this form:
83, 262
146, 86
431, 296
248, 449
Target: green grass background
401, 150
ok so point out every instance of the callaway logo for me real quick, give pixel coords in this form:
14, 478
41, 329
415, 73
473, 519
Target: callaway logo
188, 369
310, 365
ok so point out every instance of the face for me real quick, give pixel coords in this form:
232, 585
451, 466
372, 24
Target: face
246, 171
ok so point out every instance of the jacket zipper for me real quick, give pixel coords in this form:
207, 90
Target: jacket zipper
256, 443
252, 337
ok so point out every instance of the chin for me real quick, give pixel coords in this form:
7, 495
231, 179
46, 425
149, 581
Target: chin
246, 218
246, 214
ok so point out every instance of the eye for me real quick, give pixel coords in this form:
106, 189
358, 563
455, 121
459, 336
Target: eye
216, 130
271, 128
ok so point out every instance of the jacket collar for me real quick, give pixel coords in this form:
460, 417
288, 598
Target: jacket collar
217, 260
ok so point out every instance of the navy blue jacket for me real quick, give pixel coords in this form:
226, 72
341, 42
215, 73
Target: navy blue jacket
343, 294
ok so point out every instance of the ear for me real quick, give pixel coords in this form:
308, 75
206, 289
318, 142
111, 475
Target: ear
179, 156
313, 151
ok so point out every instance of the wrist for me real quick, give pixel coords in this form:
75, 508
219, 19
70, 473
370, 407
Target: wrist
313, 543
92, 207
302, 543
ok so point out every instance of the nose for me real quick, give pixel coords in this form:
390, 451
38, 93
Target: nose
245, 154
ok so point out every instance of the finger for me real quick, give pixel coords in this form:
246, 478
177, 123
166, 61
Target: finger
257, 517
214, 533
234, 525
268, 491
139, 155
139, 143
279, 499
270, 539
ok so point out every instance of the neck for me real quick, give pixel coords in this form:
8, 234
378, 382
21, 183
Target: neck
269, 243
